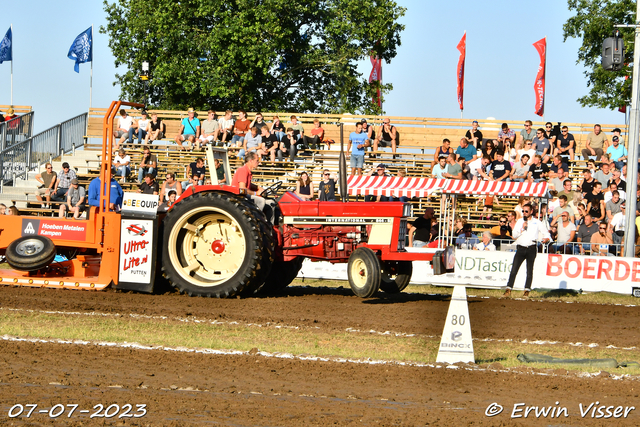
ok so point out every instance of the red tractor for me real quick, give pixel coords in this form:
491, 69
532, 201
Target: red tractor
213, 242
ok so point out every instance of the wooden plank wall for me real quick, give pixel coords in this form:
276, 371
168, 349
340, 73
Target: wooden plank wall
414, 132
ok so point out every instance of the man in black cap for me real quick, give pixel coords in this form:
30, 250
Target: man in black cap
366, 128
76, 197
63, 183
380, 173
617, 151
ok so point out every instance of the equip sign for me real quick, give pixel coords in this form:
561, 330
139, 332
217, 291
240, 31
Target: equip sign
136, 203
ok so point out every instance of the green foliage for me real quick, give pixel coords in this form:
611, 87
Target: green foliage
268, 55
593, 22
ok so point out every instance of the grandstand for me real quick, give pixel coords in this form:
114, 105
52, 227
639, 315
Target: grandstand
418, 137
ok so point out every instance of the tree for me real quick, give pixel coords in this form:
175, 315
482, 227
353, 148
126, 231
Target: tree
593, 22
260, 55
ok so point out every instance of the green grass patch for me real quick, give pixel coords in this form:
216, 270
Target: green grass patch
214, 336
308, 341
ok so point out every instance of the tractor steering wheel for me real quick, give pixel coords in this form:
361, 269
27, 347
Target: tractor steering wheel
271, 190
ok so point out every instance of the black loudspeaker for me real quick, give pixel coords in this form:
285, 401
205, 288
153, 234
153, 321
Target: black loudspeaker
613, 53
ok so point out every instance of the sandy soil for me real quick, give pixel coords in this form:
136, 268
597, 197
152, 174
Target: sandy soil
253, 390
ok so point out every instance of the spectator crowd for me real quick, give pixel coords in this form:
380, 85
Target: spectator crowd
582, 217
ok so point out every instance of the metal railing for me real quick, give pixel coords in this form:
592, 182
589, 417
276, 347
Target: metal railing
17, 160
16, 130
569, 248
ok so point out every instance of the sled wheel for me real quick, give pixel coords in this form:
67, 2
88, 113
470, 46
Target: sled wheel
396, 276
212, 245
282, 274
29, 253
364, 272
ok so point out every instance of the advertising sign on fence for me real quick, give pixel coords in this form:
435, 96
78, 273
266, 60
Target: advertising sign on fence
491, 269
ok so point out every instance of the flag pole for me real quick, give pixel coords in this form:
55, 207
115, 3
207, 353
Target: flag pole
91, 74
546, 50
12, 64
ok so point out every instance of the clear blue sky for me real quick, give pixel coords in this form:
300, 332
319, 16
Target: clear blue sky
500, 68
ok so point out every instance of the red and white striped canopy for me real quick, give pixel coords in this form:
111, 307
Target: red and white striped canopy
422, 187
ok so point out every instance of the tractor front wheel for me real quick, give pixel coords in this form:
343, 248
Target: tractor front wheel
396, 276
364, 272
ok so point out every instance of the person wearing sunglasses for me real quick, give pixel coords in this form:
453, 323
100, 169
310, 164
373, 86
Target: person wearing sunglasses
327, 188
566, 143
47, 179
501, 232
528, 133
551, 134
527, 232
602, 242
542, 145
63, 183
170, 184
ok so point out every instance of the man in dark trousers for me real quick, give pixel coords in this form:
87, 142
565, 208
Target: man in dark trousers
526, 232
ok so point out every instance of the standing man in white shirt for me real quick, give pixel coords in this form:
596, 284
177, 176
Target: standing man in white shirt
526, 233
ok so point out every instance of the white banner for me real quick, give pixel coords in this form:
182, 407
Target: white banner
589, 273
491, 269
136, 250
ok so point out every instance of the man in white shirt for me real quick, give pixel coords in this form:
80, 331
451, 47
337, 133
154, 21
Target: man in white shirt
225, 126
616, 228
477, 168
121, 163
526, 233
566, 234
125, 128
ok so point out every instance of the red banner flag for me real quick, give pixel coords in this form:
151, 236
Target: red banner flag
623, 108
462, 47
538, 86
376, 75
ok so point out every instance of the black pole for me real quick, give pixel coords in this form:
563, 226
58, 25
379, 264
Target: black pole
342, 167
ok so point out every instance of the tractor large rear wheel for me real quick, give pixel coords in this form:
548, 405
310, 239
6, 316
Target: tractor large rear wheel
212, 245
268, 249
396, 276
364, 273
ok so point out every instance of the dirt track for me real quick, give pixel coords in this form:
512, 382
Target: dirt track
338, 309
256, 390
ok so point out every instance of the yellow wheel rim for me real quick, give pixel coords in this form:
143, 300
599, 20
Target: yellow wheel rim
207, 246
359, 273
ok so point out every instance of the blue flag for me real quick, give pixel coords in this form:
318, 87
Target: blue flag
5, 47
81, 49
